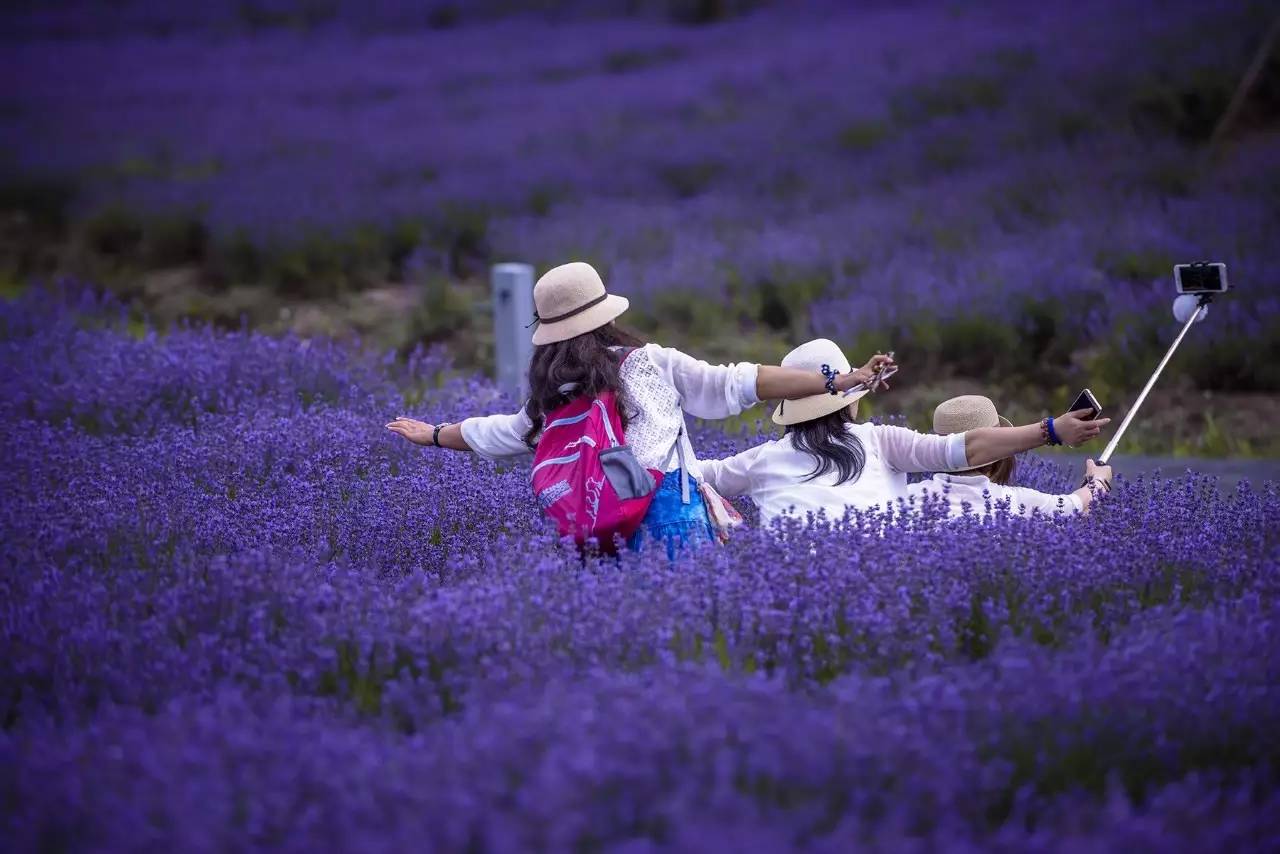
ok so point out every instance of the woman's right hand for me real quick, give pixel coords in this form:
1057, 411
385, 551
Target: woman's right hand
418, 432
1100, 474
1073, 429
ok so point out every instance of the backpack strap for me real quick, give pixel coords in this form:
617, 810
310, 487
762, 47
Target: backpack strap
677, 450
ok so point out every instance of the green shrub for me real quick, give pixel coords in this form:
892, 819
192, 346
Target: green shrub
863, 135
44, 202
691, 179
949, 152
175, 240
634, 59
1135, 265
114, 233
948, 96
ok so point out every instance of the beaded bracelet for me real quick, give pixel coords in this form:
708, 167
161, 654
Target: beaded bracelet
831, 379
1047, 434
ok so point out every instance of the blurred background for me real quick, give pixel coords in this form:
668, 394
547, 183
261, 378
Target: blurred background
996, 191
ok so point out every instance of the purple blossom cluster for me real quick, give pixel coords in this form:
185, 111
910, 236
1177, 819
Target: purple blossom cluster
972, 160
236, 614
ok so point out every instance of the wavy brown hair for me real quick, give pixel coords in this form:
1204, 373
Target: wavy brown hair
587, 363
1001, 471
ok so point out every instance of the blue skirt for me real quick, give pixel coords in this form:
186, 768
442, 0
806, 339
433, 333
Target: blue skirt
672, 523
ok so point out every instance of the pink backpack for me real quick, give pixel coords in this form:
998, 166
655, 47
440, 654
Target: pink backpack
586, 479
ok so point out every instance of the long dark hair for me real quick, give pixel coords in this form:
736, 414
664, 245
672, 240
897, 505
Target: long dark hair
1001, 471
585, 361
832, 446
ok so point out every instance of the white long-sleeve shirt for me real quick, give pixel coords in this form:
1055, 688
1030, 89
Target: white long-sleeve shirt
662, 384
963, 491
775, 474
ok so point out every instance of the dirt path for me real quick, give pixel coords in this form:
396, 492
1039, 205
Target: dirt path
1228, 470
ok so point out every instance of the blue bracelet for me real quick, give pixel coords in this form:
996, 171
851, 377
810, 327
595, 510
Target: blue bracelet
831, 378
1053, 434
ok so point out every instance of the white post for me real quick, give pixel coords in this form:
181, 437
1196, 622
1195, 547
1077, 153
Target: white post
512, 315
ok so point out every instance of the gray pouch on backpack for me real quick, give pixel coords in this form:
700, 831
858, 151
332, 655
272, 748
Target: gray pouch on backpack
628, 478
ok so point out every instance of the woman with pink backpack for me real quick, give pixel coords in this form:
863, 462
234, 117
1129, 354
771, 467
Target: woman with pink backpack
606, 419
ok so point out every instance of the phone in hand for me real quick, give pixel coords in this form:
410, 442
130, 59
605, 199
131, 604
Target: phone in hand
1086, 400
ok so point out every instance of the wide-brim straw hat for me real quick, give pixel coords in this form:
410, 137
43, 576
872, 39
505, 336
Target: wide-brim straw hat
811, 356
571, 300
964, 413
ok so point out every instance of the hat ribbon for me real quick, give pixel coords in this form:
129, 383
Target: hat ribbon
568, 314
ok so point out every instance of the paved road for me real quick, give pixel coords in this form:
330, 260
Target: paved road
1229, 471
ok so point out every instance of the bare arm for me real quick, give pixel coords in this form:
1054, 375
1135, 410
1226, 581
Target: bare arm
988, 444
775, 383
420, 433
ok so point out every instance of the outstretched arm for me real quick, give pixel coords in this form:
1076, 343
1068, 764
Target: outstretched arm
491, 436
777, 383
988, 444
422, 433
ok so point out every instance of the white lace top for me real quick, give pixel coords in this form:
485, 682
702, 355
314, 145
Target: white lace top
970, 493
662, 385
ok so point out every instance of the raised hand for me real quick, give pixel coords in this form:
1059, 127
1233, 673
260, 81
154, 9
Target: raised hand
1099, 474
1073, 429
867, 373
418, 432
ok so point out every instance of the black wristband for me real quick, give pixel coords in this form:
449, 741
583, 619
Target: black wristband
435, 435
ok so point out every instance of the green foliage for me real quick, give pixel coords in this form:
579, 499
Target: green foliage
303, 15
635, 59
175, 240
114, 233
689, 179
863, 135
1135, 265
952, 95
948, 152
45, 202
701, 12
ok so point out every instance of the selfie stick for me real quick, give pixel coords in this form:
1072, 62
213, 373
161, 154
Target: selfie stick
1203, 306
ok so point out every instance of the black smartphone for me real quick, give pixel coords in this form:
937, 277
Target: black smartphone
1086, 400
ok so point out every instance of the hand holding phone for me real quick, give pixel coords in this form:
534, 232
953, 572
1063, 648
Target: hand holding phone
1086, 400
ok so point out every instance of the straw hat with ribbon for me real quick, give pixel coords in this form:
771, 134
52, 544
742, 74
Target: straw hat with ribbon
964, 413
571, 300
811, 356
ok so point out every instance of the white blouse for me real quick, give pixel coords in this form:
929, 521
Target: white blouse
775, 474
662, 385
965, 493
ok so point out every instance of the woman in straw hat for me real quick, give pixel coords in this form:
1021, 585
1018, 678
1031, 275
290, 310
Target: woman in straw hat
579, 351
980, 488
826, 462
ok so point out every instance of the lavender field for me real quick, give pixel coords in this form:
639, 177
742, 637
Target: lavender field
996, 191
236, 614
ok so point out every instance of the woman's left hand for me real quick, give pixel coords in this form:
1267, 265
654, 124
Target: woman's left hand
418, 432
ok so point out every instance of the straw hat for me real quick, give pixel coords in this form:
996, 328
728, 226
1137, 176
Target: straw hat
570, 300
811, 356
964, 413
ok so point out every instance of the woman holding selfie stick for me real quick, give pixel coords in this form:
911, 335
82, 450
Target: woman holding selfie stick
580, 353
972, 489
828, 462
